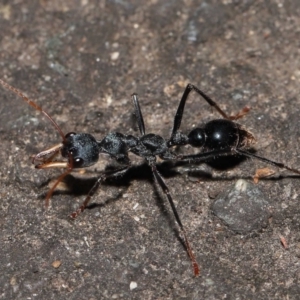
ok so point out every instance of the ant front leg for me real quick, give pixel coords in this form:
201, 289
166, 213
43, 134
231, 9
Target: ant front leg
69, 168
59, 179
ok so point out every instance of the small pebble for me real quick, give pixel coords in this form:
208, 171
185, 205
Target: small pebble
133, 285
56, 264
243, 207
114, 55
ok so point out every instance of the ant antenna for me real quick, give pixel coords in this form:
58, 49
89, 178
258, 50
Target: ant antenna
34, 105
53, 151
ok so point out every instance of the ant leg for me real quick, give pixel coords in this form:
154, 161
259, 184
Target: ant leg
166, 191
268, 161
59, 179
228, 151
138, 113
206, 155
179, 113
240, 114
164, 187
102, 178
68, 165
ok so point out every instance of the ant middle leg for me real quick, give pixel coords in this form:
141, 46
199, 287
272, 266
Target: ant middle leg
92, 191
156, 143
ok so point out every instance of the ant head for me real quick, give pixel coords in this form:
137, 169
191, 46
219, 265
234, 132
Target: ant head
82, 148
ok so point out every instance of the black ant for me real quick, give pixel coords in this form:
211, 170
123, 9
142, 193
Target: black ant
217, 138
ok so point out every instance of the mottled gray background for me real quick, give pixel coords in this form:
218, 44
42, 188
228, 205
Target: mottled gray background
81, 61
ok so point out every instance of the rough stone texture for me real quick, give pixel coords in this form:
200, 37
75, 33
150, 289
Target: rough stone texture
242, 207
81, 61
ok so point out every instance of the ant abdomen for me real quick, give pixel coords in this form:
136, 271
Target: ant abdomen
82, 147
220, 134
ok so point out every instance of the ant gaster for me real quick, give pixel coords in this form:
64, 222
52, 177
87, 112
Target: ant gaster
217, 138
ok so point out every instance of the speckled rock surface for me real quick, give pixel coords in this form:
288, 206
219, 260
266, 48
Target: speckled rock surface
242, 207
81, 61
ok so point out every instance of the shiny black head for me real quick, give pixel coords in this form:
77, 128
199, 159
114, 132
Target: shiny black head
83, 149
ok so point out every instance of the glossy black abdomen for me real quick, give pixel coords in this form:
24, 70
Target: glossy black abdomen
221, 134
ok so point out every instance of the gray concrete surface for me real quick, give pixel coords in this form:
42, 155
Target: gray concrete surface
81, 61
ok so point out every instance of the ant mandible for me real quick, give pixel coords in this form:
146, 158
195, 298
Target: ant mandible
217, 138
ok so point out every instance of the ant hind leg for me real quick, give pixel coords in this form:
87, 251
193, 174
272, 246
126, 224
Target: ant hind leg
166, 191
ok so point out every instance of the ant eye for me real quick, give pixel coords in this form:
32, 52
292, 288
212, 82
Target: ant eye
77, 162
69, 134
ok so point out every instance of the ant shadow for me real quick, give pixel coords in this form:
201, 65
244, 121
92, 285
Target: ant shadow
78, 186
